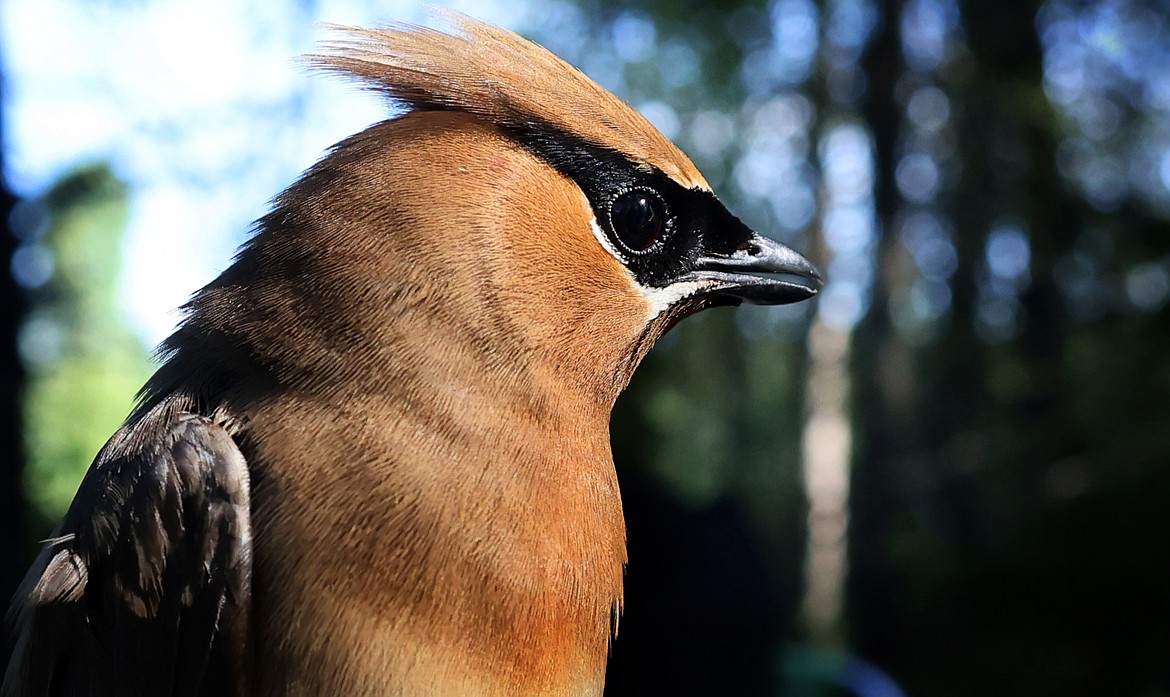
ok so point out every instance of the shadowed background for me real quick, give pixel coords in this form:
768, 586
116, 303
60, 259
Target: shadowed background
950, 475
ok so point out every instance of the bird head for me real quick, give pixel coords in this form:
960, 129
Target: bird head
514, 207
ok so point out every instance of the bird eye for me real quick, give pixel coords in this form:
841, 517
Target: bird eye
639, 219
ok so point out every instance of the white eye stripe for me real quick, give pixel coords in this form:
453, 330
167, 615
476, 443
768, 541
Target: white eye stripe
660, 299
606, 242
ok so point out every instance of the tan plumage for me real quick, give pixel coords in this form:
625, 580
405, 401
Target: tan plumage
416, 357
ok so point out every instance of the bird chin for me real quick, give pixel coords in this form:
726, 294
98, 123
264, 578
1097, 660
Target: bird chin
683, 308
723, 289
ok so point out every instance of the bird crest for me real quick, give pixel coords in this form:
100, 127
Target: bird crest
498, 76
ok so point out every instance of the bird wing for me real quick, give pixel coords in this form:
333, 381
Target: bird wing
146, 589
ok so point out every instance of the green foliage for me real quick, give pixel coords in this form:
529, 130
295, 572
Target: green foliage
85, 364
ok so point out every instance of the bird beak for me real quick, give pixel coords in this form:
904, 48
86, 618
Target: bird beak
735, 275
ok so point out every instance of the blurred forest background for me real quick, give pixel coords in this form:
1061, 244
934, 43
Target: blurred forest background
949, 476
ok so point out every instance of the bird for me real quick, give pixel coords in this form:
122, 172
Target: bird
375, 459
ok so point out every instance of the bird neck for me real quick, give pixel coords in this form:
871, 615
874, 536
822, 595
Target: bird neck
486, 512
470, 469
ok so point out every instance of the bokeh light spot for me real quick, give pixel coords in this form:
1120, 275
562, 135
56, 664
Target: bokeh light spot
32, 265
1148, 286
633, 37
929, 108
918, 177
1008, 252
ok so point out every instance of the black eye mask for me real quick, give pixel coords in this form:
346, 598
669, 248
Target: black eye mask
659, 228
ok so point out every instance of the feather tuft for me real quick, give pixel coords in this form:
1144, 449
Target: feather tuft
502, 78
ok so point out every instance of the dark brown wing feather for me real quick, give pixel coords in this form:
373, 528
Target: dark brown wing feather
147, 587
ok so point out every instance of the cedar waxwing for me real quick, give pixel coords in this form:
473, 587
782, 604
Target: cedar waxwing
375, 459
